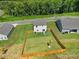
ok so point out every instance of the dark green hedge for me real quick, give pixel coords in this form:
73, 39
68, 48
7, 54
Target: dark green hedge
38, 7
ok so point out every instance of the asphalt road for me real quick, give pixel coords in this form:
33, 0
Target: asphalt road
26, 21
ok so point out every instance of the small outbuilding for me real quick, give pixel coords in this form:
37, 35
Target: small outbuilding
5, 31
40, 25
68, 25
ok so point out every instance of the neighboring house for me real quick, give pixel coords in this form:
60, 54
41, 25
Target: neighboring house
5, 31
40, 25
68, 25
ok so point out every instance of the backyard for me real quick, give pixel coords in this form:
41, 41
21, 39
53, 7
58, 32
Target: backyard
24, 43
37, 42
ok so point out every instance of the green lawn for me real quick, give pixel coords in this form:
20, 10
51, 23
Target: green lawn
68, 14
72, 48
71, 36
17, 35
6, 18
70, 41
37, 42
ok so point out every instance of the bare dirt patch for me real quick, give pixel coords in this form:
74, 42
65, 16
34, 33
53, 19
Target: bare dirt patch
13, 52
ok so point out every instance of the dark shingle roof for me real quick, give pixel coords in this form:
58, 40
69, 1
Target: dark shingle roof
39, 22
5, 29
70, 23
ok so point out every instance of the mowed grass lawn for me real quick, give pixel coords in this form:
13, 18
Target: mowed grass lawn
17, 36
37, 42
6, 18
72, 49
70, 41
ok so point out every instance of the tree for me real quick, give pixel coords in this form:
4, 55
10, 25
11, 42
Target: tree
76, 8
38, 7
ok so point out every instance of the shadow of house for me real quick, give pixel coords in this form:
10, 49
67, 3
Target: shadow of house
5, 31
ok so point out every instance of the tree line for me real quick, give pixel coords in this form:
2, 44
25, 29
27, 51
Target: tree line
39, 7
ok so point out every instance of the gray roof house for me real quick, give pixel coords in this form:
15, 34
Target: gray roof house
40, 25
68, 25
5, 31
40, 22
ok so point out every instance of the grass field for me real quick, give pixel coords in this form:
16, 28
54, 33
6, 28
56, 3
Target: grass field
70, 41
6, 18
35, 42
38, 42
17, 35
69, 14
71, 36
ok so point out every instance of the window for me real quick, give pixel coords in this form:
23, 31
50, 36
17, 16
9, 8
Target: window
37, 30
43, 29
73, 30
65, 32
4, 37
36, 26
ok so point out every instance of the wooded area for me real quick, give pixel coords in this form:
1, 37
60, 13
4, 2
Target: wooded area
39, 7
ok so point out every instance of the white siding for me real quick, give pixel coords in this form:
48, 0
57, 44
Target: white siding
63, 31
40, 28
3, 37
14, 25
77, 31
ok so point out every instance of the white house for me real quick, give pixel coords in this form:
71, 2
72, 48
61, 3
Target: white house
40, 26
5, 31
